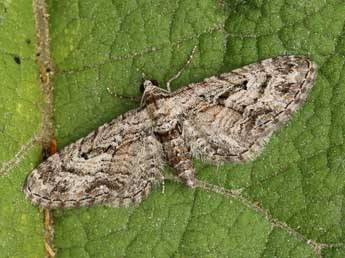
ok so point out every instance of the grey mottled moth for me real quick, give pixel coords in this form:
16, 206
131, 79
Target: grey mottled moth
224, 118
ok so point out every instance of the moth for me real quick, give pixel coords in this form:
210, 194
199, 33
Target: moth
224, 118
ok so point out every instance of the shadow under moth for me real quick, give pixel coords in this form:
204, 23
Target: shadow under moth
224, 118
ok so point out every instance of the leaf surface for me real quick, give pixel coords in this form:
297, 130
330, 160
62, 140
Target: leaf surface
21, 102
286, 203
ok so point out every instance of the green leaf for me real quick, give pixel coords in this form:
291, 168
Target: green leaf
286, 203
21, 99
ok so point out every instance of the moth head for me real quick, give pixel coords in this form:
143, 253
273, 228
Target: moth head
151, 91
147, 84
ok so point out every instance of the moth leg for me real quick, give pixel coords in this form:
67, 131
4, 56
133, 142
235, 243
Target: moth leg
181, 70
179, 156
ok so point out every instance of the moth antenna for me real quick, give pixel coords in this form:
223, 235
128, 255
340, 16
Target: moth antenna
181, 70
163, 187
119, 96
